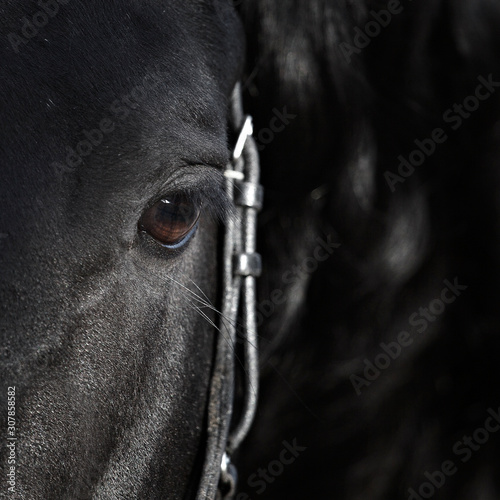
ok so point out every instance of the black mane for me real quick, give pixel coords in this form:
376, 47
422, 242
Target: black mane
333, 171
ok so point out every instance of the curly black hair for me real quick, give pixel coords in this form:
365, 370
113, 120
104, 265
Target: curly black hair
378, 128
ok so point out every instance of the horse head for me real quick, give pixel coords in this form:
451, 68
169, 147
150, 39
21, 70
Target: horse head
114, 122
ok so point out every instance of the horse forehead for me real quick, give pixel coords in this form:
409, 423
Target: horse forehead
89, 54
89, 59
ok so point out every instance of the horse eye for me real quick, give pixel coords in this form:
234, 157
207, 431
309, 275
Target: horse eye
171, 221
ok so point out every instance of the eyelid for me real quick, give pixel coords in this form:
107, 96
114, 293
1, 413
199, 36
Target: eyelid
204, 185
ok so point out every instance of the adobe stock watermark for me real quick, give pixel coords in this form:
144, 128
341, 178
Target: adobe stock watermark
463, 449
263, 477
454, 117
11, 440
30, 28
277, 124
363, 37
420, 321
119, 110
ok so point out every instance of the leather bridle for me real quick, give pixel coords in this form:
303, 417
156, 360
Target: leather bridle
241, 266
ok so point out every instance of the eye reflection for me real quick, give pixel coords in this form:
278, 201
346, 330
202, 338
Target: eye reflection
171, 220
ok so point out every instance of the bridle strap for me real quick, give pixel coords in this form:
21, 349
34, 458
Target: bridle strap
248, 197
241, 266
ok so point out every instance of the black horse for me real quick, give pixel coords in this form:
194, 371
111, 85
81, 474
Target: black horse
378, 306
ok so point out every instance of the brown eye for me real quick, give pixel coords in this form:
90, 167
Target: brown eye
171, 221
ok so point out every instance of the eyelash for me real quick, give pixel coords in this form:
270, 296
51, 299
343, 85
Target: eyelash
203, 185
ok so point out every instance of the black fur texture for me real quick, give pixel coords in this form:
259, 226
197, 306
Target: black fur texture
105, 335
